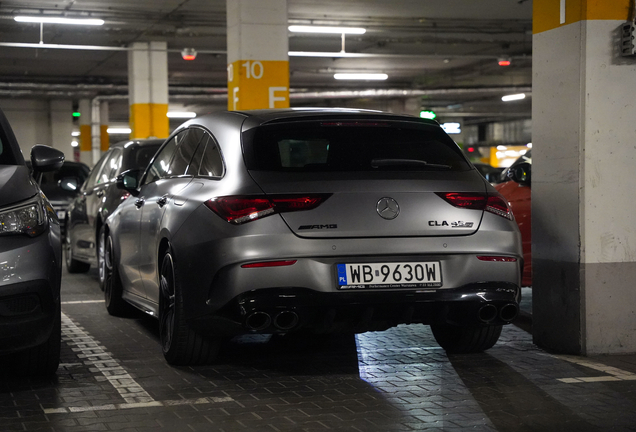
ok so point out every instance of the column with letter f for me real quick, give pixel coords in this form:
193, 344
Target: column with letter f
258, 62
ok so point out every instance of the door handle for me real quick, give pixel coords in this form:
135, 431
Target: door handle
163, 200
140, 202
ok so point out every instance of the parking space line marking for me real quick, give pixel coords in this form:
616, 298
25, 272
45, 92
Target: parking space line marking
82, 302
615, 374
113, 407
94, 354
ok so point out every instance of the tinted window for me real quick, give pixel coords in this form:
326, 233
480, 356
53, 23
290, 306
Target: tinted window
51, 178
139, 156
92, 178
211, 160
352, 146
184, 152
161, 164
111, 167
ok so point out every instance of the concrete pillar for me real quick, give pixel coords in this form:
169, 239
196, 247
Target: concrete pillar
583, 236
104, 140
148, 89
257, 46
85, 138
95, 131
61, 118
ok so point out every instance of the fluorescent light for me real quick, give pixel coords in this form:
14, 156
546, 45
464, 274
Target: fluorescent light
452, 128
181, 114
58, 20
318, 29
74, 144
75, 133
360, 76
119, 130
513, 97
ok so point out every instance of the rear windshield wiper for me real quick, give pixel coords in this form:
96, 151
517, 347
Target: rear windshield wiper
377, 163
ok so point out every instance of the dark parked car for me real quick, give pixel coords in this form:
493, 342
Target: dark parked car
313, 221
30, 260
98, 197
62, 186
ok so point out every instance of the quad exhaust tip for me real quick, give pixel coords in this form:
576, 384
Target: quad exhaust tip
284, 320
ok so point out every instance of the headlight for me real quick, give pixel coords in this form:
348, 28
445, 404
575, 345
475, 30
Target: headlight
27, 218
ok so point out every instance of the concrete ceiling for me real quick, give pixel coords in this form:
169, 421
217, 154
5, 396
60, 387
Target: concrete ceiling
440, 54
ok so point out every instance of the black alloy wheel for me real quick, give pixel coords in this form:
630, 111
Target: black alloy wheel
113, 288
181, 345
166, 302
101, 262
73, 265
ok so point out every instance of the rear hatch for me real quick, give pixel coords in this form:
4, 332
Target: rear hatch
368, 178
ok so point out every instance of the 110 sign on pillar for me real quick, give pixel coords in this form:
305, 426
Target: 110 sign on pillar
256, 84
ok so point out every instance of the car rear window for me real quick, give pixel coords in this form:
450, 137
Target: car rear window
351, 146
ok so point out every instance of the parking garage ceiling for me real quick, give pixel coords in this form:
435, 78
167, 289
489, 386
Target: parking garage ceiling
441, 53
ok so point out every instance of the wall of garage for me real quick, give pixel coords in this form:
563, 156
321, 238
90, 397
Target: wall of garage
40, 122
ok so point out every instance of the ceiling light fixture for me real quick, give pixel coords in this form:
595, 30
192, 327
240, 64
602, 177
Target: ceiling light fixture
361, 76
513, 97
58, 20
332, 30
181, 114
119, 130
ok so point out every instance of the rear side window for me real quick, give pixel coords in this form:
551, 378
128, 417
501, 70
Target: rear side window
352, 146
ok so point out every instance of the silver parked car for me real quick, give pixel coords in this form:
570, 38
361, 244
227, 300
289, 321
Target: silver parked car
313, 221
30, 260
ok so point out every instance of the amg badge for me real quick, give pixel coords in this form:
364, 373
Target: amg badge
309, 227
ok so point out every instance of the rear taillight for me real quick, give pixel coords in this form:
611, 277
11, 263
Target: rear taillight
490, 202
242, 209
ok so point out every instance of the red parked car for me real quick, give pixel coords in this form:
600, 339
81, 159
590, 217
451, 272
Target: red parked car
517, 192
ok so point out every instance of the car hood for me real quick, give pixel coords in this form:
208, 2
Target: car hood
16, 184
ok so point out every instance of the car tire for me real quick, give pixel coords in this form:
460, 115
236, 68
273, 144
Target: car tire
466, 339
113, 288
73, 265
180, 344
44, 359
101, 265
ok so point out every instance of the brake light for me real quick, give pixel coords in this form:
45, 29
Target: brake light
243, 209
490, 202
495, 258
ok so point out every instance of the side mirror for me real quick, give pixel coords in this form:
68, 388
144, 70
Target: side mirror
45, 158
521, 173
129, 181
70, 184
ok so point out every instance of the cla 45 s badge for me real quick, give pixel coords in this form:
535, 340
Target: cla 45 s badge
458, 224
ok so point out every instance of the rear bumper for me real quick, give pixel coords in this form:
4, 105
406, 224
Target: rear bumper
290, 309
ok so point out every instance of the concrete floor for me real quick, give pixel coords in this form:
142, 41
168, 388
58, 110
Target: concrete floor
113, 377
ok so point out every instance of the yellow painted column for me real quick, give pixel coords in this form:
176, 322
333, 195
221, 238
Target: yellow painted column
104, 140
583, 111
85, 138
148, 90
258, 62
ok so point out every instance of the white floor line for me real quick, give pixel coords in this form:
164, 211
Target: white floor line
93, 354
615, 374
82, 302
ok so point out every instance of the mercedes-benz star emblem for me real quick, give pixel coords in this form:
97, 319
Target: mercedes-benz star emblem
388, 208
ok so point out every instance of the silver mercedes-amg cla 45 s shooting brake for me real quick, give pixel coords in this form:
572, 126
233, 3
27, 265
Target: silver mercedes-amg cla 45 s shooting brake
312, 221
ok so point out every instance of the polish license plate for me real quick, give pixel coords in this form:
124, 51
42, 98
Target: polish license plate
390, 275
